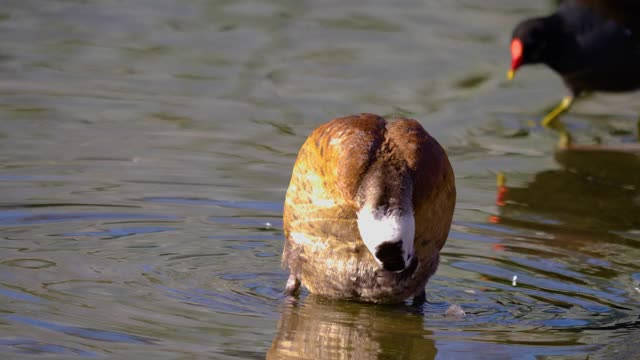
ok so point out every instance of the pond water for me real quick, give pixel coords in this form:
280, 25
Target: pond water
145, 150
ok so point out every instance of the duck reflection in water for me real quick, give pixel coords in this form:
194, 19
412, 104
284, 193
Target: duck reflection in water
322, 329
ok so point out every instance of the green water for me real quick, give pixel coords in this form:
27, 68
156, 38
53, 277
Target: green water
146, 146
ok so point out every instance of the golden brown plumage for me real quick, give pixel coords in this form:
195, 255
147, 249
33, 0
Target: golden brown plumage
354, 177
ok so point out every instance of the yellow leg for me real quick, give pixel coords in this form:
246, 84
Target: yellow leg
564, 105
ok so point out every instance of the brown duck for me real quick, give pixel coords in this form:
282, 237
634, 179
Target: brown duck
367, 211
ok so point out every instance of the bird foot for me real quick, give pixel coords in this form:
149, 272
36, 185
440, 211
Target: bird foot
420, 297
293, 285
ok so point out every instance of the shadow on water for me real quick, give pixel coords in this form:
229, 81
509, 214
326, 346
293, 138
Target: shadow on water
617, 165
597, 189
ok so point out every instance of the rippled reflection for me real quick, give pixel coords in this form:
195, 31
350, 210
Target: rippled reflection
319, 329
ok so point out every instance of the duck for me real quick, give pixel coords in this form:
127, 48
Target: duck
367, 211
593, 45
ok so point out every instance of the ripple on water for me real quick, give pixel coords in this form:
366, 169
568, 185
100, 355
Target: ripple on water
233, 302
20, 218
18, 294
25, 346
117, 232
29, 263
81, 332
558, 288
247, 205
229, 288
89, 289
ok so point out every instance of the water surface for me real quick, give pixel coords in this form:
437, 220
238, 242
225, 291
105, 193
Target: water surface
145, 149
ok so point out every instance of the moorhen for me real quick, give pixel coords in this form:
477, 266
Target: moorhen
626, 12
593, 45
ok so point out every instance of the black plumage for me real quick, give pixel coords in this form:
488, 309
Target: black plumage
592, 45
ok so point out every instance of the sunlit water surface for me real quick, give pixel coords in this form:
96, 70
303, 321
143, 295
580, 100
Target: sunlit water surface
145, 149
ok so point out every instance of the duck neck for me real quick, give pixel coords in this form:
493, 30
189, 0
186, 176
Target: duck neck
386, 218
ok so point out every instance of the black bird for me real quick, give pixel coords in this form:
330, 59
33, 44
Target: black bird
626, 12
593, 45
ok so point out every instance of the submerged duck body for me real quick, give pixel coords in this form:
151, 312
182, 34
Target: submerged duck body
367, 211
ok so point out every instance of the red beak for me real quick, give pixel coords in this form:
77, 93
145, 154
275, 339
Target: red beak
516, 57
